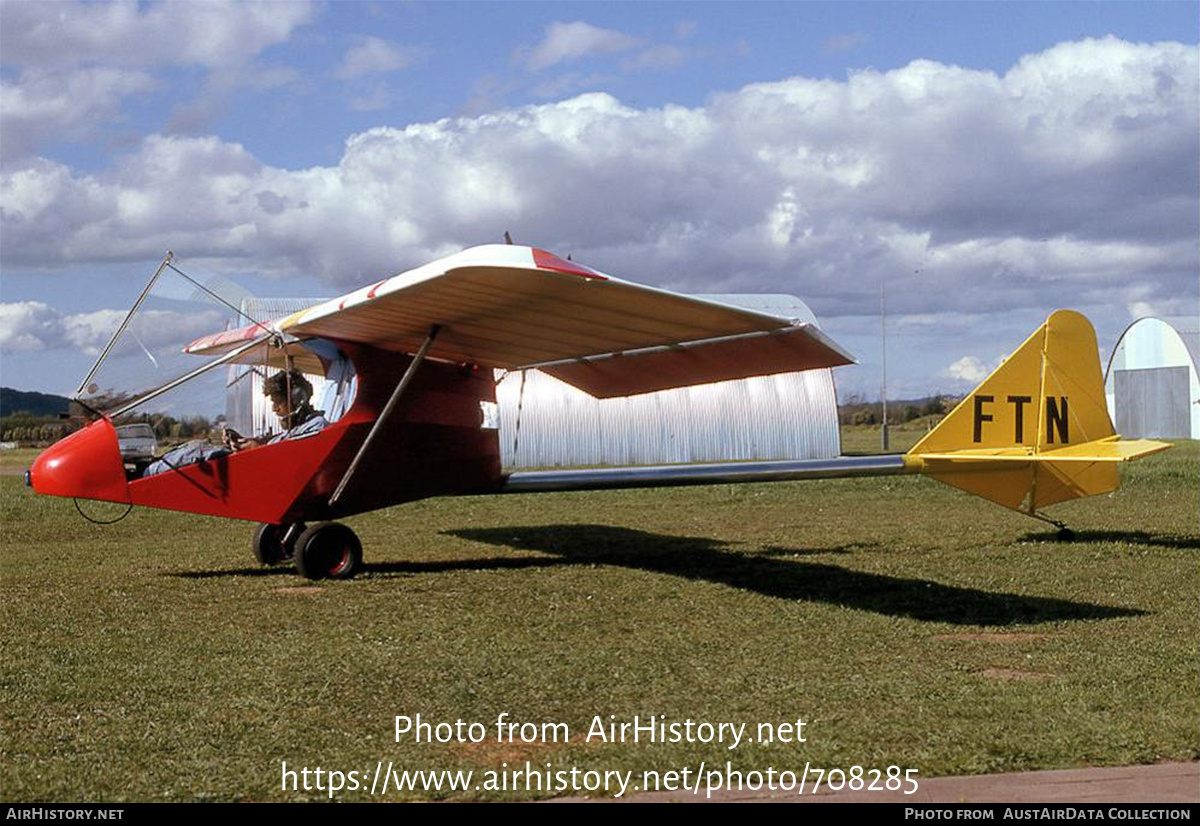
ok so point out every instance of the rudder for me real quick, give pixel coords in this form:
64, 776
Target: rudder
1037, 430
1047, 394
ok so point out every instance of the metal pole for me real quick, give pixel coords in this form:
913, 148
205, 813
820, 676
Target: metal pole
149, 284
883, 355
387, 411
287, 380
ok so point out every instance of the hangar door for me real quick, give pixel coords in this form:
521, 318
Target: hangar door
1153, 403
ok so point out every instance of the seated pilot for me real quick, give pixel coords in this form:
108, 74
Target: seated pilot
299, 419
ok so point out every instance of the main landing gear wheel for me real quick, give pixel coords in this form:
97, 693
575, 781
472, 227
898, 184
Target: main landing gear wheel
273, 543
328, 550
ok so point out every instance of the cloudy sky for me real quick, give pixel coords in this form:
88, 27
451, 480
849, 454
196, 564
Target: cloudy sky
987, 163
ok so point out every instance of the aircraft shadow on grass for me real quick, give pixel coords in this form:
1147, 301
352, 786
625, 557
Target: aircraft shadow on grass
1185, 543
498, 563
778, 572
709, 560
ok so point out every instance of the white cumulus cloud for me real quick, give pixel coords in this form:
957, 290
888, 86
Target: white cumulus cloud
968, 369
33, 325
42, 106
564, 42
77, 62
662, 56
211, 33
1068, 180
28, 325
377, 56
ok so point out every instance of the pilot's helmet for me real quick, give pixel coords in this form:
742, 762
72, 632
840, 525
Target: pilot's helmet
276, 387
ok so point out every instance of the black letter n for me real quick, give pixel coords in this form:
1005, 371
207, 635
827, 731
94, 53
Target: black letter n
1056, 420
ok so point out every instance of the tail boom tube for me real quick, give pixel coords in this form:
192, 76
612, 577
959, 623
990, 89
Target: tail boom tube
543, 481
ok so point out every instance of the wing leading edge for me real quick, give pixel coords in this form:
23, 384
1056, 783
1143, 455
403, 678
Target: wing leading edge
513, 307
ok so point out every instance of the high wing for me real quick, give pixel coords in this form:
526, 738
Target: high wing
265, 349
515, 307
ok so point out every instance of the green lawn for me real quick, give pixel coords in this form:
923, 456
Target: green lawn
905, 622
860, 440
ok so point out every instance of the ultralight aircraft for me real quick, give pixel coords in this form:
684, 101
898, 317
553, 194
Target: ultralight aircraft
421, 350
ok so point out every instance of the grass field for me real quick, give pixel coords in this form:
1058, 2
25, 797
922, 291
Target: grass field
906, 623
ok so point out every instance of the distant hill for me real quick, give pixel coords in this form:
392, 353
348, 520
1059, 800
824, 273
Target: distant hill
36, 404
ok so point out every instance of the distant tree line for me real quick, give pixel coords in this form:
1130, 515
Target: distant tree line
38, 431
856, 410
28, 429
32, 418
168, 428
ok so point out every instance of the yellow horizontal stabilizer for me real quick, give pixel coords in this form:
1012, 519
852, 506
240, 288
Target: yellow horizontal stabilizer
1018, 478
1112, 449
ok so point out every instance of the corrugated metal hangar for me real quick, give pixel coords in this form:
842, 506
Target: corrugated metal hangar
546, 423
1152, 384
786, 416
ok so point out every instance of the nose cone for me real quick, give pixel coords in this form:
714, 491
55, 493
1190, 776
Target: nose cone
87, 465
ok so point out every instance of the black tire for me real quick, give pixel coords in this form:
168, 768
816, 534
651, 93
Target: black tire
328, 550
268, 544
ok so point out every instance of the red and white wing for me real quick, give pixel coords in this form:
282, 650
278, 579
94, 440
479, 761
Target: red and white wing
258, 344
514, 307
226, 341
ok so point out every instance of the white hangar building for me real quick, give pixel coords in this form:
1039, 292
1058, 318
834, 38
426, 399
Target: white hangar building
1152, 383
545, 423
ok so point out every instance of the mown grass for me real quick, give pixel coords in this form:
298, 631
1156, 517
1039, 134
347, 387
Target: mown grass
858, 440
905, 622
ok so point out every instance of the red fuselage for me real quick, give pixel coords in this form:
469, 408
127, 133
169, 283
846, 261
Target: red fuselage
433, 444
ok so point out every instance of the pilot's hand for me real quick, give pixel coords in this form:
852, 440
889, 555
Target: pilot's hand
236, 441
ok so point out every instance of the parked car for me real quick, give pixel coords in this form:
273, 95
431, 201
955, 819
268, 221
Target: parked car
137, 442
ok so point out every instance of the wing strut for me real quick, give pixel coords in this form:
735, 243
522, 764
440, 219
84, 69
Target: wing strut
387, 411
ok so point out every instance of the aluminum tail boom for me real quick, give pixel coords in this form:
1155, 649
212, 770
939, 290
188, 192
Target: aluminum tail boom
542, 481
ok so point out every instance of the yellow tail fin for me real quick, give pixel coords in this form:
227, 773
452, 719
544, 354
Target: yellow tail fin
1036, 431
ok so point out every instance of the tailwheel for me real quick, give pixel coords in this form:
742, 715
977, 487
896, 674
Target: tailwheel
273, 543
328, 550
1064, 534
